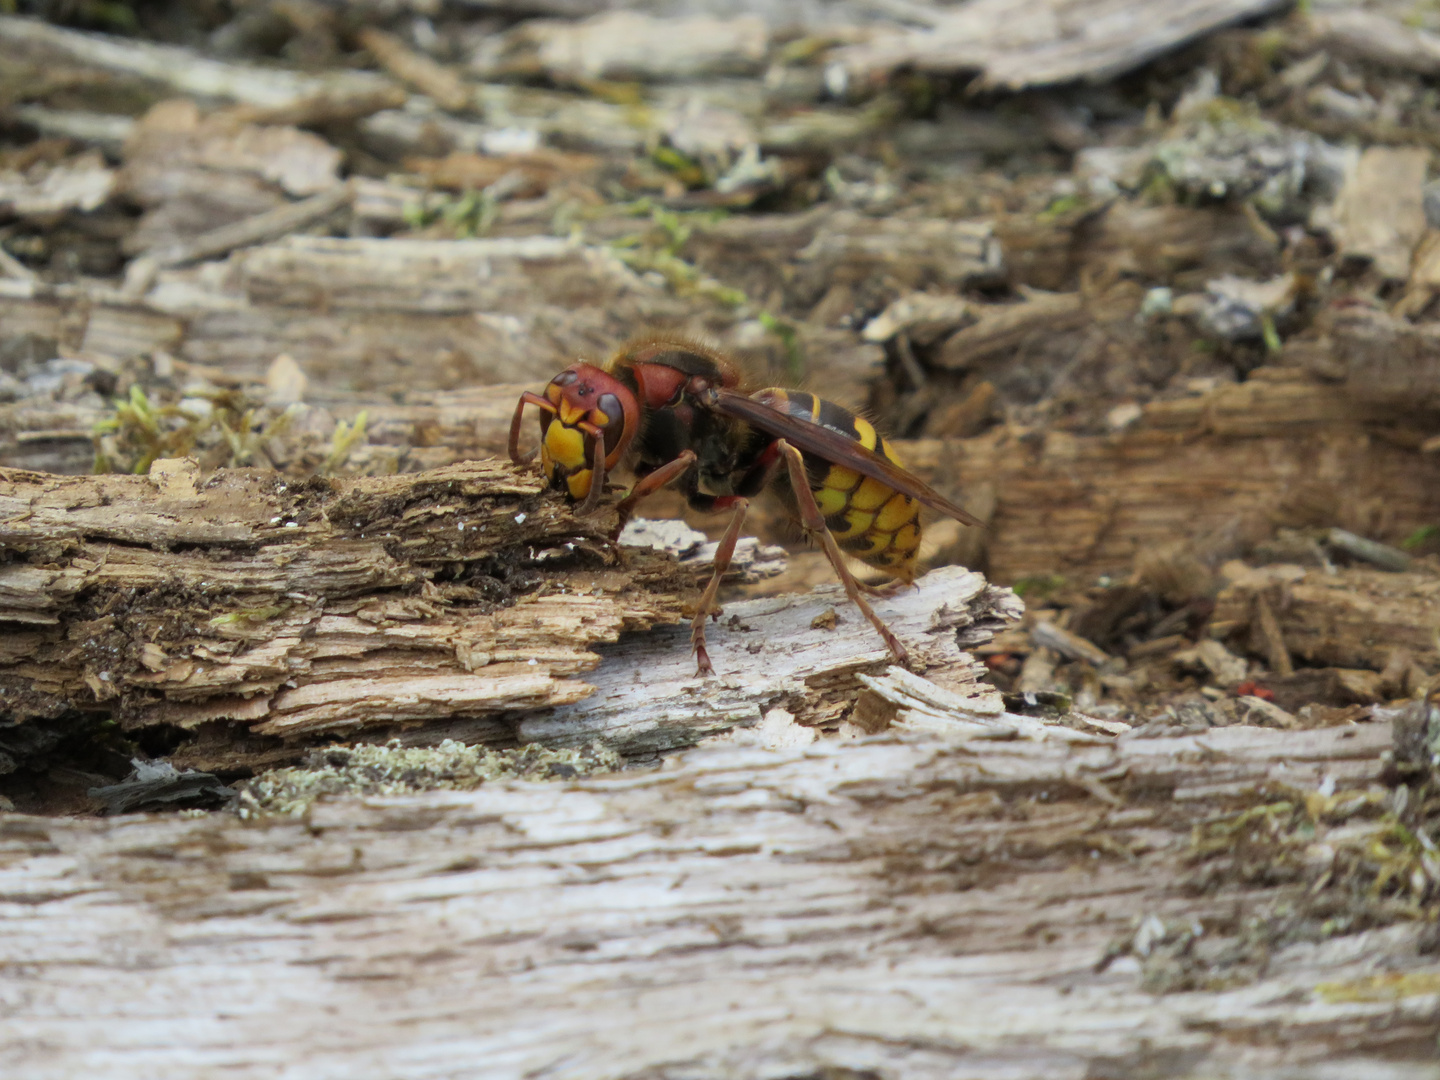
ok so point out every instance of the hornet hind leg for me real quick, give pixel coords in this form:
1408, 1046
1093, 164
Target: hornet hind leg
814, 524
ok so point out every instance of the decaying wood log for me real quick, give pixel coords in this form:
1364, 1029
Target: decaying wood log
1225, 467
460, 598
1044, 42
356, 312
1353, 618
1380, 358
900, 906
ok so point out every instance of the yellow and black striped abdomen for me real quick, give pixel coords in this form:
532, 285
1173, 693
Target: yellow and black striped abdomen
875, 523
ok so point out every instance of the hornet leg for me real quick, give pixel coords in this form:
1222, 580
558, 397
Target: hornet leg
723, 554
653, 482
814, 523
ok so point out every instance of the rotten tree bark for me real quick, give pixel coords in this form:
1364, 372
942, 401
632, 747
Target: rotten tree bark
1224, 468
457, 602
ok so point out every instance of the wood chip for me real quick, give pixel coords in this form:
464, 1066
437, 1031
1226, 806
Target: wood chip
1045, 634
1370, 551
1270, 633
259, 229
632, 45
183, 69
1000, 328
1266, 712
1380, 214
420, 71
1371, 35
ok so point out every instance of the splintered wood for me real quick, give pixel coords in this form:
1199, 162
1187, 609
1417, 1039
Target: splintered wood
912, 907
306, 608
457, 602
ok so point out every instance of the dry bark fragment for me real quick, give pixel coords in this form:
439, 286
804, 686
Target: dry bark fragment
1353, 618
1381, 358
1004, 327
421, 72
1380, 214
1043, 42
1370, 35
185, 70
299, 608
630, 45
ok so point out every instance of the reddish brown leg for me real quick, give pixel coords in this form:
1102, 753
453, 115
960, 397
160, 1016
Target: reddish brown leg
527, 398
597, 471
814, 523
723, 555
889, 589
653, 482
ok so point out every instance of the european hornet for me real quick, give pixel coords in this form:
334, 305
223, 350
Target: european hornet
677, 410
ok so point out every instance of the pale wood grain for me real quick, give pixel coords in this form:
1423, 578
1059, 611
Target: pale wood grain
906, 907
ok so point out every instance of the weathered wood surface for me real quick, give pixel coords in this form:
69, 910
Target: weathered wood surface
1380, 358
1224, 468
901, 907
184, 70
355, 312
804, 654
301, 607
1361, 618
455, 601
1044, 42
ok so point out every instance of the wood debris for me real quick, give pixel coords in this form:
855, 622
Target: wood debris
631, 45
1379, 214
280, 272
349, 606
1042, 42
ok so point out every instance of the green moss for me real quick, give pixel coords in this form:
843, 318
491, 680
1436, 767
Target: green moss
393, 769
1391, 986
1038, 586
247, 616
657, 250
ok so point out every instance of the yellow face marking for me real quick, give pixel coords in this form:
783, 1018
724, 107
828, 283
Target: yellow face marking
815, 404
570, 415
563, 446
870, 495
899, 511
579, 484
598, 418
